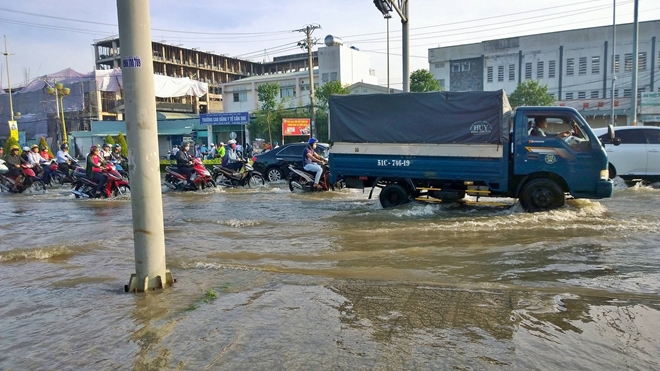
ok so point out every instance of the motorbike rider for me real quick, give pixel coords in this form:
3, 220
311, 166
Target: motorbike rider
35, 159
231, 159
117, 156
64, 159
184, 161
26, 152
106, 152
221, 151
14, 162
94, 169
311, 161
46, 154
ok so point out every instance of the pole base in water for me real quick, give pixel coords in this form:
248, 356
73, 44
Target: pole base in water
134, 284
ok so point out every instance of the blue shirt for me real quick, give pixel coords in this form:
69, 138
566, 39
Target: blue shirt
307, 151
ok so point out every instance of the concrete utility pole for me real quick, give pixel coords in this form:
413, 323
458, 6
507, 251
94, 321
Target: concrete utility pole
613, 62
11, 103
387, 18
142, 134
633, 101
308, 43
403, 8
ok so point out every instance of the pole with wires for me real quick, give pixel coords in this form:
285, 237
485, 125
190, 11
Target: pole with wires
612, 122
308, 43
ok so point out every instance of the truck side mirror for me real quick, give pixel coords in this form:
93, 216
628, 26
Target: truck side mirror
610, 132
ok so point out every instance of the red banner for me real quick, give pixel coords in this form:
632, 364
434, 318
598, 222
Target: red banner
295, 127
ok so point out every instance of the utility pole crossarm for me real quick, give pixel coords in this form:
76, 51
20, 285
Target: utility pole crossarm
400, 7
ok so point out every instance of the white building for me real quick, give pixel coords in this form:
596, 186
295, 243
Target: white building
576, 65
336, 63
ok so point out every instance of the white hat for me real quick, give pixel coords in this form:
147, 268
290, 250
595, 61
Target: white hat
26, 148
232, 141
212, 144
222, 143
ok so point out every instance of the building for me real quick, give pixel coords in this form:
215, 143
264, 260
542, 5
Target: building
576, 65
204, 66
336, 62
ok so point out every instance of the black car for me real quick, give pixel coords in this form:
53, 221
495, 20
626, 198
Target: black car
274, 164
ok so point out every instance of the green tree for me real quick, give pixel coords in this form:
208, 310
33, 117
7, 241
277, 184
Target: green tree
324, 92
121, 140
531, 93
109, 139
10, 142
43, 143
422, 81
268, 93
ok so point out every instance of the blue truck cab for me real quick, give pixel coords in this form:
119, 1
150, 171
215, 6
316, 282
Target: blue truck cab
447, 145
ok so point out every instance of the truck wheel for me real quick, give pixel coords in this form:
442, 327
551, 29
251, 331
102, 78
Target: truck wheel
612, 171
393, 195
541, 195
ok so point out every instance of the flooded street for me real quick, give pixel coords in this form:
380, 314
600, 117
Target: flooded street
269, 280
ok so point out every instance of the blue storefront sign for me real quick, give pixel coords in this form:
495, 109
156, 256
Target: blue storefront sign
232, 118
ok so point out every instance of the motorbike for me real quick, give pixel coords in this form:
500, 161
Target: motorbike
120, 169
300, 179
30, 180
58, 177
226, 177
200, 178
84, 187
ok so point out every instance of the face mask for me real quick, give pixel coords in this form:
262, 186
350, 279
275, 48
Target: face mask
314, 145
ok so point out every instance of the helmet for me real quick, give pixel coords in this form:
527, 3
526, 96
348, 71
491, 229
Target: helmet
34, 146
222, 144
312, 141
232, 141
116, 145
93, 148
64, 145
106, 145
26, 148
14, 148
44, 148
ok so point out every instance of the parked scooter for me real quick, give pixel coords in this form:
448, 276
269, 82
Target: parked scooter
30, 180
83, 186
302, 180
200, 178
226, 177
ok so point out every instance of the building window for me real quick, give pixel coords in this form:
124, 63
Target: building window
627, 62
489, 74
240, 97
551, 69
465, 66
582, 68
552, 95
639, 92
641, 61
441, 82
582, 95
569, 96
539, 70
528, 70
437, 65
455, 67
287, 92
512, 72
500, 73
333, 76
615, 64
594, 94
616, 93
324, 77
595, 65
626, 93
570, 66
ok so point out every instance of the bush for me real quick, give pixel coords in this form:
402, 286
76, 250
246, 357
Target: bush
10, 142
122, 142
109, 139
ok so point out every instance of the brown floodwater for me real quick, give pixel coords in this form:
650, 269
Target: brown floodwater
269, 280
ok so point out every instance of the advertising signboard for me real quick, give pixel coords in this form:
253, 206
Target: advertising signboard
295, 127
231, 118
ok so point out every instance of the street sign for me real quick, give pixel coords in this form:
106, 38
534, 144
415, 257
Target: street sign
231, 118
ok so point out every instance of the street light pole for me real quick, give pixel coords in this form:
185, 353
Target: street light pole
402, 7
11, 102
142, 133
59, 91
633, 100
388, 17
613, 64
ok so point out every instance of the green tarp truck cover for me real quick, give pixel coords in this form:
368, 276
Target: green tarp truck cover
477, 117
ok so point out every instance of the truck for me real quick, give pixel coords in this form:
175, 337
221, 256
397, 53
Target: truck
444, 146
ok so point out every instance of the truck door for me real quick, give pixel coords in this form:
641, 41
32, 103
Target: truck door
558, 144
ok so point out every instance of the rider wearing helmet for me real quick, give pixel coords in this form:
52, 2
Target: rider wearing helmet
221, 151
94, 169
14, 162
34, 158
45, 153
231, 160
184, 161
116, 154
106, 152
311, 161
64, 159
26, 152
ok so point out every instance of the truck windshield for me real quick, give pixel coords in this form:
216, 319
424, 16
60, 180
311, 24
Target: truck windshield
564, 127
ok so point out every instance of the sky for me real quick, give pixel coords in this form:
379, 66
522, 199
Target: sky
45, 36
